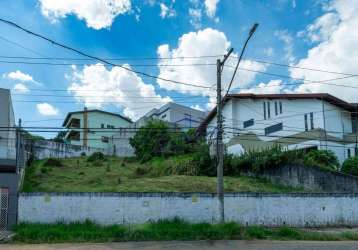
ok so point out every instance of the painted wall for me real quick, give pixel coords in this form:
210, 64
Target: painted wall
7, 119
45, 149
95, 120
236, 111
247, 209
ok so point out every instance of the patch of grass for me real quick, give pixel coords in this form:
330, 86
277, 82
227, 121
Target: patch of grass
174, 229
158, 175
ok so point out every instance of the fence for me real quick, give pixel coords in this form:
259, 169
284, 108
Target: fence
245, 208
41, 149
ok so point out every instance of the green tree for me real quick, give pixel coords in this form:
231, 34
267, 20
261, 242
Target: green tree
350, 166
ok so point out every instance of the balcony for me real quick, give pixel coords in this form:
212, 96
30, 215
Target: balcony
74, 123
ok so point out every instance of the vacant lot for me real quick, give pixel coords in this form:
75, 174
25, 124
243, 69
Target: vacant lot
127, 175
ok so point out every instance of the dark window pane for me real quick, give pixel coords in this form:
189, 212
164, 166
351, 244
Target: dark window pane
349, 152
248, 123
306, 123
268, 110
273, 128
311, 119
276, 110
280, 107
264, 110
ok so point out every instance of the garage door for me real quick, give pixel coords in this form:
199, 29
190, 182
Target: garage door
4, 205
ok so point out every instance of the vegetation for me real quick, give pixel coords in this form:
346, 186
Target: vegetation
350, 166
174, 229
60, 137
128, 175
156, 139
30, 136
256, 161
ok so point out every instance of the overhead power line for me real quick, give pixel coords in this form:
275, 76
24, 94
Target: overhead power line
12, 24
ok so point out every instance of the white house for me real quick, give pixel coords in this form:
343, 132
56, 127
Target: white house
257, 121
180, 115
93, 128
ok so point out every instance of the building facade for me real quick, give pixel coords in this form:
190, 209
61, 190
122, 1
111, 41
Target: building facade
180, 115
10, 174
93, 128
294, 121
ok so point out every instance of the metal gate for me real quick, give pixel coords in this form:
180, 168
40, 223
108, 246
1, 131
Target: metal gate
4, 205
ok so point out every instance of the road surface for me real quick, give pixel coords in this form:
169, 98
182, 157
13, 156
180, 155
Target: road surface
195, 245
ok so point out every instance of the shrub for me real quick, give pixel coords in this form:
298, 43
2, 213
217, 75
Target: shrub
53, 162
156, 139
350, 166
325, 159
96, 156
140, 171
44, 170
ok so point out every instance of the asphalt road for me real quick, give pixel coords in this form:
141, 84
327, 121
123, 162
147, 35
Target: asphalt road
195, 245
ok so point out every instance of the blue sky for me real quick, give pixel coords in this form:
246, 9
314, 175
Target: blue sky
298, 33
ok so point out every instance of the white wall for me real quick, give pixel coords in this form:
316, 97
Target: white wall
247, 209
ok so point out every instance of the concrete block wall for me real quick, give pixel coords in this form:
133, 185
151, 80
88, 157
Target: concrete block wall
245, 208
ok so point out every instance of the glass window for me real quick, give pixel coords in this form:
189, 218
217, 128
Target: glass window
276, 109
105, 139
280, 104
349, 153
102, 125
264, 110
273, 128
248, 123
311, 120
306, 123
268, 110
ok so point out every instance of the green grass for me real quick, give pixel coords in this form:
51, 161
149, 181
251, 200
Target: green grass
163, 230
127, 175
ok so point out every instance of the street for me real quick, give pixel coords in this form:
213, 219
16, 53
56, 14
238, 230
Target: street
249, 245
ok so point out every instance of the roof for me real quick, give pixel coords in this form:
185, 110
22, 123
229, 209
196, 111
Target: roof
94, 110
322, 96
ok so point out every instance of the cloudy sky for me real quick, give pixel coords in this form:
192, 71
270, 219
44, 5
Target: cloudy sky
172, 39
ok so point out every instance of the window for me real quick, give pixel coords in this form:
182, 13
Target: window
248, 123
264, 110
280, 104
105, 139
311, 120
102, 125
276, 109
349, 152
306, 123
273, 128
163, 116
356, 151
268, 110
110, 126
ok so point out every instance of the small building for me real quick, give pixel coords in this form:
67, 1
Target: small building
180, 115
294, 121
93, 128
9, 172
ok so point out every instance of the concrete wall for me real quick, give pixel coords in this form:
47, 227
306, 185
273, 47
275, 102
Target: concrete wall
7, 119
10, 181
247, 209
312, 178
44, 149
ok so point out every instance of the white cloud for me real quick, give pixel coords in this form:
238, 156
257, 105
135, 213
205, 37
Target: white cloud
195, 17
202, 43
97, 86
19, 76
47, 109
322, 28
335, 52
287, 39
166, 11
272, 87
98, 14
210, 7
21, 88
269, 51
